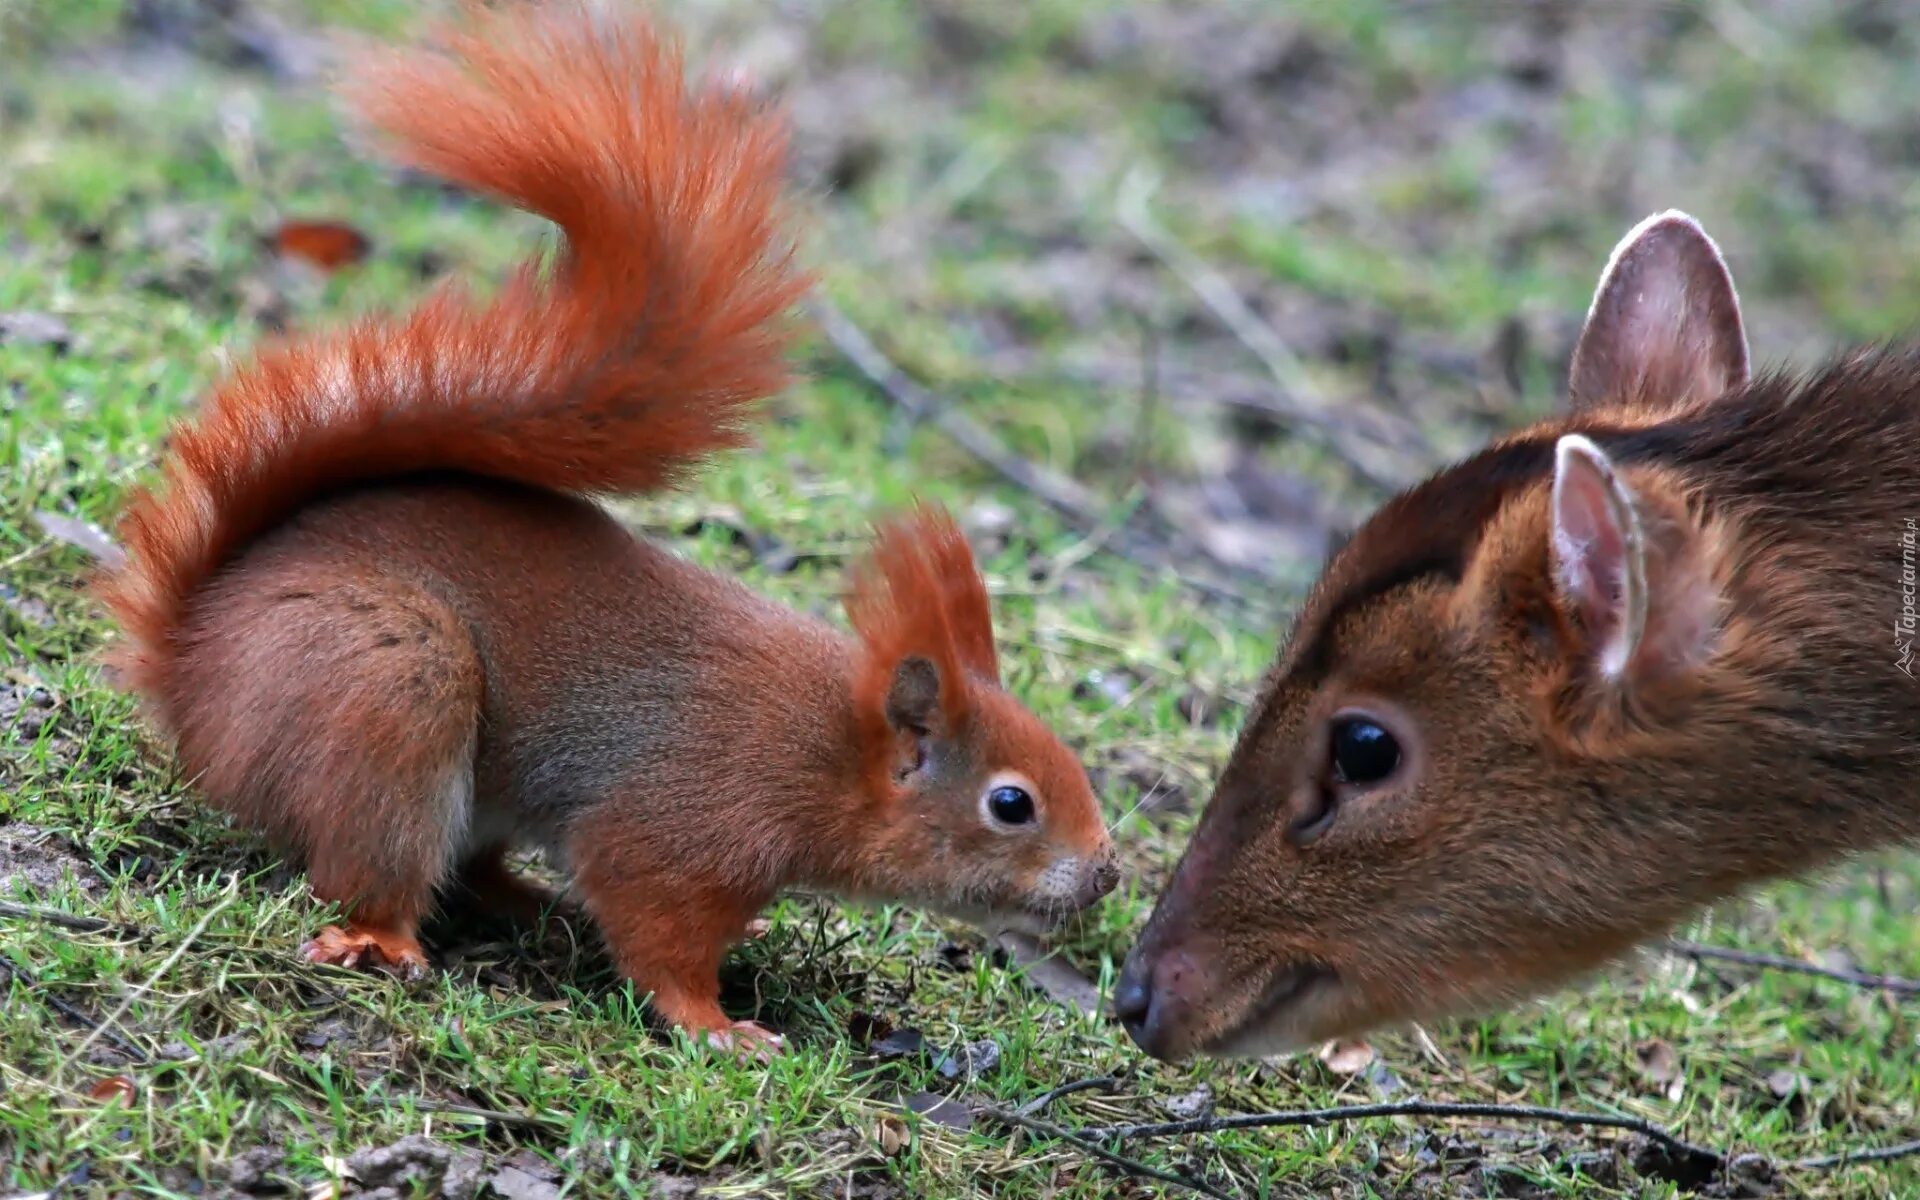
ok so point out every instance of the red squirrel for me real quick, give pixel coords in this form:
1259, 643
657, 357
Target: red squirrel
376, 612
1554, 699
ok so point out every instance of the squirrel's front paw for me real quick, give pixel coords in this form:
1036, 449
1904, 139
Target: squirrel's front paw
368, 949
747, 1039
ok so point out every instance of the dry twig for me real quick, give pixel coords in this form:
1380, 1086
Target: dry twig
1133, 1167
63, 920
1065, 496
75, 1014
1848, 1158
1297, 400
1059, 493
1412, 1108
1038, 1105
1700, 952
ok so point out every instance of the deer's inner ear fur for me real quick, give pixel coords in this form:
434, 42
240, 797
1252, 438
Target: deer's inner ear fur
1664, 329
1635, 570
1598, 554
913, 698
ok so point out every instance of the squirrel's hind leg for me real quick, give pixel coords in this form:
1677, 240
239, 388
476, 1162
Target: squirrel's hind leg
337, 709
667, 931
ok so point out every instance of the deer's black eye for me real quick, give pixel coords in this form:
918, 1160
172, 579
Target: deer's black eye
1010, 805
1363, 752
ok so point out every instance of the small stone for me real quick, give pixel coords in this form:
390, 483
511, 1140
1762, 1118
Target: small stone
35, 329
1190, 1105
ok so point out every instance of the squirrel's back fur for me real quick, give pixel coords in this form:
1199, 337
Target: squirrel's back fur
635, 356
383, 627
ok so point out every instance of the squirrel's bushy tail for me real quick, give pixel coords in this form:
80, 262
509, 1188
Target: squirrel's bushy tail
641, 351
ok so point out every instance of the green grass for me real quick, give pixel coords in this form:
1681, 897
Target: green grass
980, 246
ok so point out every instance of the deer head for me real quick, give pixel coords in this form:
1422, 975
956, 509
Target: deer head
1480, 765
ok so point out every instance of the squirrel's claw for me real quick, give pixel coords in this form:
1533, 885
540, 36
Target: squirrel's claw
747, 1039
367, 948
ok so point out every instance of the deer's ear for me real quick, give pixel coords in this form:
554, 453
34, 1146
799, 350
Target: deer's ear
1598, 553
1665, 323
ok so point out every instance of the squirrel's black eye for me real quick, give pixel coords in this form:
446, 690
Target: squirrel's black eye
1010, 805
1363, 752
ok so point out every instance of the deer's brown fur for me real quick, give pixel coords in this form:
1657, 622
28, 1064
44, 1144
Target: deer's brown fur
1587, 758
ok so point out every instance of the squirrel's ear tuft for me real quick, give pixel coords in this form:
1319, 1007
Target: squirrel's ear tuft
920, 611
963, 593
1665, 326
913, 698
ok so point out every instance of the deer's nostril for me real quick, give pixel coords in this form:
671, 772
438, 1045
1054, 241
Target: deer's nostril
1133, 998
1105, 878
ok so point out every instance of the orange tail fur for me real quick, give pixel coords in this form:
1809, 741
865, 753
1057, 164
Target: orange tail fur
641, 353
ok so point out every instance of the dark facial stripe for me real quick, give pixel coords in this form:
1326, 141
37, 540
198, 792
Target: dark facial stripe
1428, 530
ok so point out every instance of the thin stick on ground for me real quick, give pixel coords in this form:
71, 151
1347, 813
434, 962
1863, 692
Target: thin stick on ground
491, 1115
1848, 1158
1039, 1104
75, 1014
1065, 496
144, 936
1700, 952
1121, 1162
55, 917
231, 894
1408, 1108
1305, 409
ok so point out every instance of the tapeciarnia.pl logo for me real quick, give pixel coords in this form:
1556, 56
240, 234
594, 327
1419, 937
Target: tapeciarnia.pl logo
1907, 623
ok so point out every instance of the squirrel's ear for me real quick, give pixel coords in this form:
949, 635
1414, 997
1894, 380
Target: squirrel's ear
1665, 323
1598, 554
913, 697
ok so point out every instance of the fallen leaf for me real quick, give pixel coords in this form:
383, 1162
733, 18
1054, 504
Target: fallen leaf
970, 1061
892, 1135
1784, 1083
1050, 973
1658, 1063
899, 1044
118, 1087
329, 245
940, 1110
1385, 1083
866, 1028
82, 535
1347, 1058
1660, 1066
